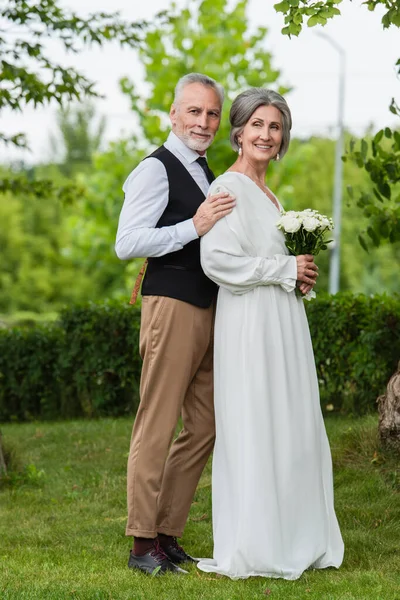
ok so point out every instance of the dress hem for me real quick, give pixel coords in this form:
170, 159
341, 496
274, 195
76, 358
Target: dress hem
288, 577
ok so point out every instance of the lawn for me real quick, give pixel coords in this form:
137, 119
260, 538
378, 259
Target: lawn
62, 522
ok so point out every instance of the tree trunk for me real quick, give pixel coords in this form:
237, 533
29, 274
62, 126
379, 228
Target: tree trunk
389, 413
3, 466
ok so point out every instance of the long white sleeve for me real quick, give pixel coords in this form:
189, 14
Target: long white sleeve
225, 262
228, 255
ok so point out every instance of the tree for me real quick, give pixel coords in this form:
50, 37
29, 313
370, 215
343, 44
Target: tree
28, 73
79, 137
381, 161
38, 273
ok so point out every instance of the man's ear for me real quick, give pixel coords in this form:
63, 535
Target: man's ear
172, 114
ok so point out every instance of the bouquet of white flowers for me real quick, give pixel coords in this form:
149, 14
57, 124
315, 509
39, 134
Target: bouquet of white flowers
305, 233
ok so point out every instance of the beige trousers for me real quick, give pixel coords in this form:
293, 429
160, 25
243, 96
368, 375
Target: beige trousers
176, 345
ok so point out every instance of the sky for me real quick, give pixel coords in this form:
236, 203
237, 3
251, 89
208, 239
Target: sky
308, 64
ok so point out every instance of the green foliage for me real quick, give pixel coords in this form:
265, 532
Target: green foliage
392, 16
19, 182
102, 356
80, 137
28, 75
356, 341
380, 157
318, 13
33, 22
29, 373
55, 251
12, 471
303, 180
206, 37
88, 364
30, 475
37, 273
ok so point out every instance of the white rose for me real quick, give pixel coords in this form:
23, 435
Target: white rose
310, 223
290, 223
310, 295
324, 221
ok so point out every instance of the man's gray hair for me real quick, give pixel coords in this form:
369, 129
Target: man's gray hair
198, 78
244, 106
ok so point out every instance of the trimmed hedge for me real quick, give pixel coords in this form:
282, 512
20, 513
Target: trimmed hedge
87, 364
356, 342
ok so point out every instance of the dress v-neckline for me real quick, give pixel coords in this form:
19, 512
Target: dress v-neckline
261, 192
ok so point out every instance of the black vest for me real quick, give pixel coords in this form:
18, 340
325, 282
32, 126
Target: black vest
179, 274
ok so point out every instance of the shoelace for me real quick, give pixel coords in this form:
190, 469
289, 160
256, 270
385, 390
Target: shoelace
158, 553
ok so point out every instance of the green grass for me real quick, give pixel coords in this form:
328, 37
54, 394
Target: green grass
62, 522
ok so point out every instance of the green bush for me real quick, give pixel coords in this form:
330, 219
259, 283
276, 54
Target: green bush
356, 342
87, 364
30, 379
101, 362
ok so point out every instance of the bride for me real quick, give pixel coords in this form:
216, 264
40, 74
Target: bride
273, 512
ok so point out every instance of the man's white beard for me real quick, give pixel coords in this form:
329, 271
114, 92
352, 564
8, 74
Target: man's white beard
196, 145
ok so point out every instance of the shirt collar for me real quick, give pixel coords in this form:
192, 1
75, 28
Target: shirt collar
188, 154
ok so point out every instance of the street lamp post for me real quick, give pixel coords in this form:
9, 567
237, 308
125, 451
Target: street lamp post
334, 267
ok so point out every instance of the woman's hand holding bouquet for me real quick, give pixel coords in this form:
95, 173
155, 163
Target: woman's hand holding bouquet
305, 236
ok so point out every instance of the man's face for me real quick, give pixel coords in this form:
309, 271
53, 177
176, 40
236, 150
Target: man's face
196, 116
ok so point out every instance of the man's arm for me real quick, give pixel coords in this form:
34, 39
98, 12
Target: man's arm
146, 197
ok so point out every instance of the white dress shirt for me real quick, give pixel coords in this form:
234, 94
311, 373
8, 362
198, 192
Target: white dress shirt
146, 197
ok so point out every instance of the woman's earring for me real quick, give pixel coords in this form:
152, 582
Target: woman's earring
277, 157
240, 151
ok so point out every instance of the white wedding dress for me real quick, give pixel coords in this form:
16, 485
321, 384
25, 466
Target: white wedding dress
272, 490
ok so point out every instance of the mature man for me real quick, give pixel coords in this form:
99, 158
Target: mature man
164, 215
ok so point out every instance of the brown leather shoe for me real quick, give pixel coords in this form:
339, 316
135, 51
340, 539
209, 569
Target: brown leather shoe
176, 553
154, 562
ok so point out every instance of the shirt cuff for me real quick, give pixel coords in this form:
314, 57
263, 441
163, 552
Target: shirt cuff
186, 231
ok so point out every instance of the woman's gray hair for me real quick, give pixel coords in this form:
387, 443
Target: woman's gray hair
244, 106
198, 78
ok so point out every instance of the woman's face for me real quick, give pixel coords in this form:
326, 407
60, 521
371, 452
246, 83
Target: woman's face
262, 135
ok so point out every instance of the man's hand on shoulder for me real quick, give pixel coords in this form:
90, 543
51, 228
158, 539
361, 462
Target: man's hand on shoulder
212, 210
